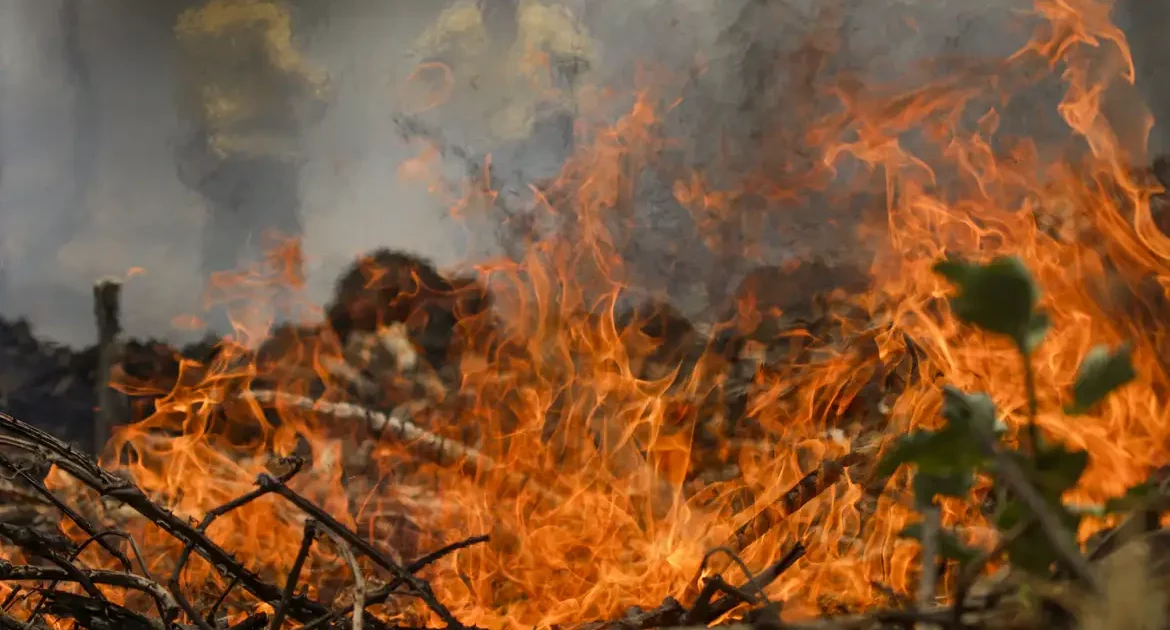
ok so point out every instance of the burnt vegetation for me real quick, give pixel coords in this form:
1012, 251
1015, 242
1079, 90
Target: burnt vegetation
387, 286
390, 287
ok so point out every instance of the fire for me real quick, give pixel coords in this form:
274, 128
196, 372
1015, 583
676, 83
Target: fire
585, 464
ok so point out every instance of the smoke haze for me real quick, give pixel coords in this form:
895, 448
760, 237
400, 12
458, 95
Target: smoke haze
87, 122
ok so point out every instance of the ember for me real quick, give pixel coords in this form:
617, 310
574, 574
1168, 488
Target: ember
544, 443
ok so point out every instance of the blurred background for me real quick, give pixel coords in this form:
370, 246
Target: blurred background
90, 123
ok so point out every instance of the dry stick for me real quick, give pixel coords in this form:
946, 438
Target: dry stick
211, 614
434, 447
111, 403
88, 612
78, 519
294, 574
931, 527
83, 468
700, 611
167, 606
219, 511
761, 581
418, 587
36, 544
359, 580
805, 490
808, 488
175, 582
12, 595
77, 554
253, 622
971, 570
382, 594
8, 622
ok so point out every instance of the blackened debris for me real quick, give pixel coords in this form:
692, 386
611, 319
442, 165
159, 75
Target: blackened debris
388, 286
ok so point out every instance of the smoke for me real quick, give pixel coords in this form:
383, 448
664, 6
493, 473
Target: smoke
88, 185
88, 120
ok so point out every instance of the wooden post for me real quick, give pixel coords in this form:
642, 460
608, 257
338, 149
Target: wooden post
106, 293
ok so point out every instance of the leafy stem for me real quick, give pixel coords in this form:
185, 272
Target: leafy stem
1001, 298
1033, 402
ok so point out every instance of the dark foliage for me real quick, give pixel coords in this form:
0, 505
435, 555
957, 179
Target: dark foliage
387, 286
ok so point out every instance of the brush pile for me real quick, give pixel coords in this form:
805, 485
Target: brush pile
391, 366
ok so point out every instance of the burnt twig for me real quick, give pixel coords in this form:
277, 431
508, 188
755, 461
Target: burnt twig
39, 546
8, 622
971, 570
294, 574
167, 607
418, 587
189, 610
97, 613
359, 580
433, 447
760, 581
216, 512
382, 594
211, 614
808, 488
702, 612
253, 622
84, 469
175, 583
668, 614
69, 512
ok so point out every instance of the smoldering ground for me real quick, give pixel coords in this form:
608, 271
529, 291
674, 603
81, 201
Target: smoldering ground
87, 120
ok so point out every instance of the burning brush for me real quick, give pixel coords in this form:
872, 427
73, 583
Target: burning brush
356, 404
538, 446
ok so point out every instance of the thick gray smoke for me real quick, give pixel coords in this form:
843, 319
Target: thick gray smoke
87, 124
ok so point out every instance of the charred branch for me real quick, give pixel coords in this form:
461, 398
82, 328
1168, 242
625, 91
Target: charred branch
433, 447
106, 484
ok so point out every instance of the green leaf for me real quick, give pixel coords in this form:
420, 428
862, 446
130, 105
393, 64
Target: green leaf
1136, 498
1086, 509
949, 545
973, 415
959, 272
1035, 331
955, 484
1100, 373
999, 297
1032, 551
941, 453
1058, 469
908, 449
